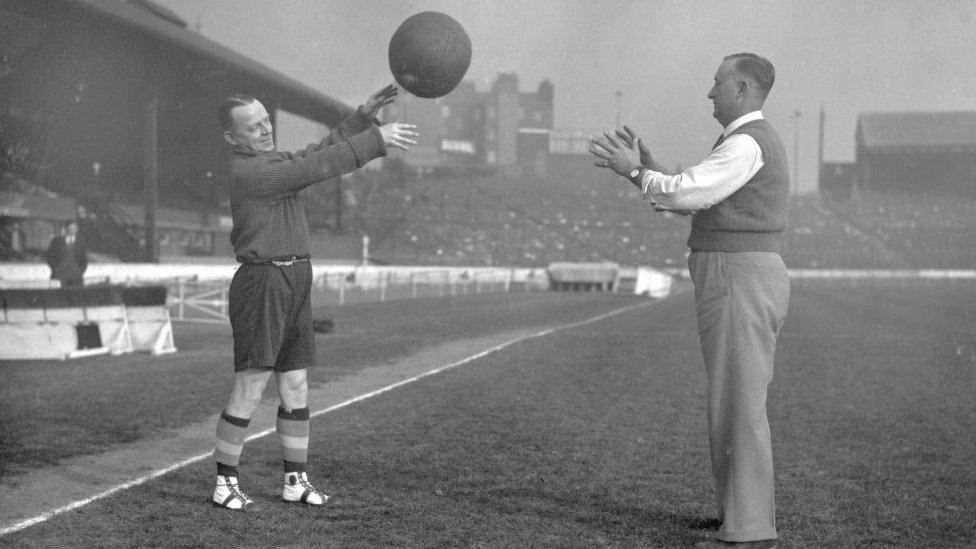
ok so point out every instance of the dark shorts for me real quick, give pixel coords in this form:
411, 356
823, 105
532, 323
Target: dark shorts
271, 317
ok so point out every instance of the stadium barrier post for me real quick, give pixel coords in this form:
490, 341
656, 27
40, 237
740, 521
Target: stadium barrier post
342, 289
181, 288
223, 299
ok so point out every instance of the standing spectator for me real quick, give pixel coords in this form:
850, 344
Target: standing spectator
12, 240
67, 257
17, 239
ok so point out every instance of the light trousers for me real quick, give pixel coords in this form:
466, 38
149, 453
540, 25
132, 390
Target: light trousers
741, 300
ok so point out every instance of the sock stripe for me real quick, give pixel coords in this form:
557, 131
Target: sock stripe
297, 414
294, 455
227, 448
293, 443
229, 443
293, 429
296, 466
236, 421
227, 470
231, 434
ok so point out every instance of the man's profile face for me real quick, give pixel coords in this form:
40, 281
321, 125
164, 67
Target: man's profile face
725, 94
251, 128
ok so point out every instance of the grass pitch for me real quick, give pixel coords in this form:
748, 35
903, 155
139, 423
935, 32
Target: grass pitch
595, 436
53, 409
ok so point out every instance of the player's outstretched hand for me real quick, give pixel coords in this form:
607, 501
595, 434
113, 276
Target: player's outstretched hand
399, 135
615, 154
380, 99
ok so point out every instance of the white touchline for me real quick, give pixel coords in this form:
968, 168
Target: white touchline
200, 457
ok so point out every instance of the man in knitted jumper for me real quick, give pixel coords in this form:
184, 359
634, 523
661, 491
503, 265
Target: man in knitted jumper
269, 295
738, 197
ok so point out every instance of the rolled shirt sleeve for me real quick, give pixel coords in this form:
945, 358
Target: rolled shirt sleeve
724, 171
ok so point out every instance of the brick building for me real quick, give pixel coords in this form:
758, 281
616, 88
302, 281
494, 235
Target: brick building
501, 129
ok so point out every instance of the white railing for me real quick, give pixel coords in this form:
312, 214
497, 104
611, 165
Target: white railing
388, 285
195, 300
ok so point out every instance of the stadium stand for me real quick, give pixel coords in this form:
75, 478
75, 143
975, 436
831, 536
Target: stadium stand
534, 221
819, 237
925, 231
528, 221
861, 219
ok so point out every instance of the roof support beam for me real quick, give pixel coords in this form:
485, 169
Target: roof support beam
150, 171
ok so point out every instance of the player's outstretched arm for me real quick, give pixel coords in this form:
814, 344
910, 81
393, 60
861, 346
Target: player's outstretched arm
362, 119
399, 135
379, 99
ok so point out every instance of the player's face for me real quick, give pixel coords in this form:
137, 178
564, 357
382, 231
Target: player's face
725, 94
252, 128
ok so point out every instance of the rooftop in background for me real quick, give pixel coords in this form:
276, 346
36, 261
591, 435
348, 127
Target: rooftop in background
163, 24
952, 131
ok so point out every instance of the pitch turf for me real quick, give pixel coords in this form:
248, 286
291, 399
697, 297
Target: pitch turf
595, 436
53, 410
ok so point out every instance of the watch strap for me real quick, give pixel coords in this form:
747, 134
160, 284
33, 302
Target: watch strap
635, 174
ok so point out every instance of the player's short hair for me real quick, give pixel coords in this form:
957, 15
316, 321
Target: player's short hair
756, 68
224, 117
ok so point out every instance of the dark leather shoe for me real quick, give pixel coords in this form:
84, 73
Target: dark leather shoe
703, 524
719, 544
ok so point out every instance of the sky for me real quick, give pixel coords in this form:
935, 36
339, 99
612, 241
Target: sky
845, 57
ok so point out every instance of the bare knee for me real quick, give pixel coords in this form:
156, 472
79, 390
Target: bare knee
246, 394
293, 389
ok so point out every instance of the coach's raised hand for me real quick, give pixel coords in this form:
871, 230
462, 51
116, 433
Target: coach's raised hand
615, 154
629, 137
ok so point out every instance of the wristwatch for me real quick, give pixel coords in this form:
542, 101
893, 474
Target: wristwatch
634, 175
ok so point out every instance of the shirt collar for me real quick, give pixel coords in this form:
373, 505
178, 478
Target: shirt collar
242, 151
748, 117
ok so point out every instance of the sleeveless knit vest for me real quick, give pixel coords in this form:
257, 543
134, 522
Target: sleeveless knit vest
752, 219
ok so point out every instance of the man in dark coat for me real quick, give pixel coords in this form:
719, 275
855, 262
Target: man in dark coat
67, 257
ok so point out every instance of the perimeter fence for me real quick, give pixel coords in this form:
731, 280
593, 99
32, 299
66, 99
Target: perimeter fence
195, 300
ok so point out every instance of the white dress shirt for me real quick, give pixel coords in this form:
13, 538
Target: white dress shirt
725, 170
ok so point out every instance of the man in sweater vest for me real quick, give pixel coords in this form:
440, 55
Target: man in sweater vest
269, 306
738, 199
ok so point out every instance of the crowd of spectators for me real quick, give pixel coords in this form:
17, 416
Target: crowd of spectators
534, 221
819, 238
927, 231
531, 222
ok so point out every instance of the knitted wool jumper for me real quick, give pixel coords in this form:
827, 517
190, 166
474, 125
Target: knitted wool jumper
752, 219
268, 213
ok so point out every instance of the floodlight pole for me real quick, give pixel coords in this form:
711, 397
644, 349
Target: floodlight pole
796, 148
150, 174
820, 147
618, 120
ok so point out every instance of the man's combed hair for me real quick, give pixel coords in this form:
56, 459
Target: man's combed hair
224, 117
756, 68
